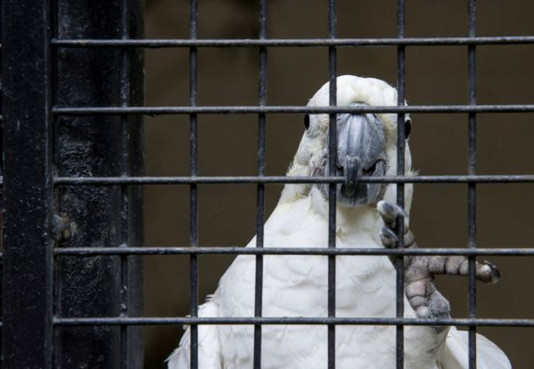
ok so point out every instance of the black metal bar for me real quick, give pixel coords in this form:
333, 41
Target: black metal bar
135, 195
294, 320
27, 310
471, 187
305, 42
237, 250
260, 200
107, 181
399, 261
160, 110
193, 191
332, 188
2, 207
100, 215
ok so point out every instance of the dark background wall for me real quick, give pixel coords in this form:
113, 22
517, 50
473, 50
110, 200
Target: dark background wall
227, 144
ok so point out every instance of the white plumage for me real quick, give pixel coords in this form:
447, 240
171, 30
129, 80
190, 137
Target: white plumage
297, 285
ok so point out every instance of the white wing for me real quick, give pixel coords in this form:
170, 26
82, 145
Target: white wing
455, 352
209, 353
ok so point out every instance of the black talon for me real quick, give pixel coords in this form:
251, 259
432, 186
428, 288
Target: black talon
495, 275
389, 238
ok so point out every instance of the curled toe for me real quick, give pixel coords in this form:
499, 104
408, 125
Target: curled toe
423, 312
390, 211
388, 238
493, 275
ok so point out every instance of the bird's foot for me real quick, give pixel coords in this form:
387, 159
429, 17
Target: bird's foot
419, 271
390, 213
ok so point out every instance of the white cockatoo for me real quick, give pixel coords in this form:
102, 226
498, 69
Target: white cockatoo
296, 285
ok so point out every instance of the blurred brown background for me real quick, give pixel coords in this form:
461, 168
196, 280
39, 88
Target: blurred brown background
227, 144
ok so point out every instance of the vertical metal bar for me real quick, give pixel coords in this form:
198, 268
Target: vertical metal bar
258, 289
399, 261
135, 147
2, 203
193, 16
471, 187
332, 156
28, 263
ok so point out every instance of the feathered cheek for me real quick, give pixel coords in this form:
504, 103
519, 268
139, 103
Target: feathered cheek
318, 165
304, 152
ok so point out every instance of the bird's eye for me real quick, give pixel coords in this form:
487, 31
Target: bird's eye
407, 128
307, 121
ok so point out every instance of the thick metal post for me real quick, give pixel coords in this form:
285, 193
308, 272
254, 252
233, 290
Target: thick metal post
99, 215
27, 274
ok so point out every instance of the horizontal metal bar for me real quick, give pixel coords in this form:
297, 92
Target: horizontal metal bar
525, 178
292, 320
412, 41
148, 250
160, 110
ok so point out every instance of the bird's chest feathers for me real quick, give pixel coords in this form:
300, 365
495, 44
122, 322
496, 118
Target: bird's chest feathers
304, 278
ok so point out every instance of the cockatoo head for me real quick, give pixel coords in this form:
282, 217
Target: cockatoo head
366, 143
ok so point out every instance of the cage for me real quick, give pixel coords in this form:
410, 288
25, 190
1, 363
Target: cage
220, 105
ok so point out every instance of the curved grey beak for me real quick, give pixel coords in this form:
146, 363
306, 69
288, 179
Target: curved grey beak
360, 152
